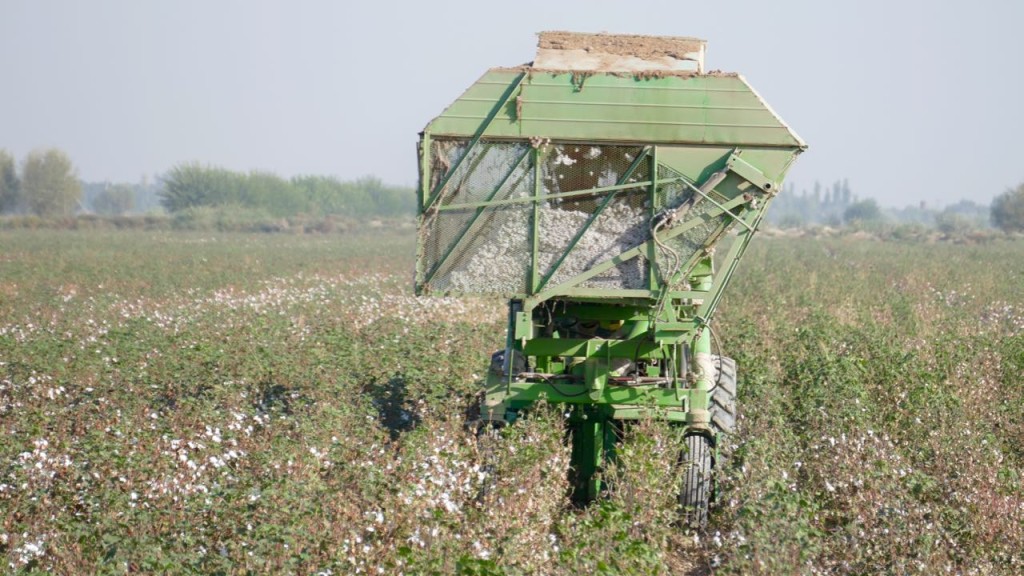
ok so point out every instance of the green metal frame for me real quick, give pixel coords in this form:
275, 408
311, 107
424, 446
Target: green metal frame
480, 206
657, 336
730, 153
436, 193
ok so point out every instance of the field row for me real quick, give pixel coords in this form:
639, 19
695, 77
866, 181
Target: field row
260, 403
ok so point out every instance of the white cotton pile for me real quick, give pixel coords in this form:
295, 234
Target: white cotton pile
501, 264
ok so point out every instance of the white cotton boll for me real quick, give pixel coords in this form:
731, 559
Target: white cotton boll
501, 263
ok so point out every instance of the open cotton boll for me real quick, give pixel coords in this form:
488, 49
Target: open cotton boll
501, 263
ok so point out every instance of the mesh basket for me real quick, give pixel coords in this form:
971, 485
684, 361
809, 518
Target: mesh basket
482, 249
689, 205
481, 239
620, 223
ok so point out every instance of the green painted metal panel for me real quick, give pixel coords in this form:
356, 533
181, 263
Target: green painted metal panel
640, 347
696, 109
699, 162
464, 116
520, 391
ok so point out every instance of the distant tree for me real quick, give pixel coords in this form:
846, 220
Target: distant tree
325, 194
965, 212
147, 197
10, 188
862, 211
115, 199
969, 208
192, 184
386, 200
1008, 210
269, 191
49, 183
949, 222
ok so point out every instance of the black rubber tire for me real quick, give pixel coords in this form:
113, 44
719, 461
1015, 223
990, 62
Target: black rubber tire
695, 495
723, 397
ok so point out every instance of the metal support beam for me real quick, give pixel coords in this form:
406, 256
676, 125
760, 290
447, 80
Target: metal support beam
655, 206
538, 187
593, 216
469, 225
436, 193
588, 447
739, 246
565, 288
556, 196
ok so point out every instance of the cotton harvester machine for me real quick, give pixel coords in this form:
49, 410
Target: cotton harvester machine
591, 189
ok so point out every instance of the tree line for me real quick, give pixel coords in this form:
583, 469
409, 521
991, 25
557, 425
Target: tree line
833, 205
47, 185
837, 205
193, 185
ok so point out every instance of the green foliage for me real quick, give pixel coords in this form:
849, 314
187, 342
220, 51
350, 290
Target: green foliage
975, 215
367, 196
824, 205
129, 198
838, 206
863, 211
791, 220
115, 200
49, 183
10, 193
1008, 210
193, 185
951, 223
873, 433
179, 402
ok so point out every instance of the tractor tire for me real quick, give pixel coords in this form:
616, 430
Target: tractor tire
723, 396
695, 495
698, 462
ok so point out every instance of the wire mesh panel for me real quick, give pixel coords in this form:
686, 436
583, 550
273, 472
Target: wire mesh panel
623, 225
689, 206
484, 247
572, 167
517, 218
481, 237
602, 224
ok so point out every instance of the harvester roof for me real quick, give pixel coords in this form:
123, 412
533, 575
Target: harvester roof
618, 88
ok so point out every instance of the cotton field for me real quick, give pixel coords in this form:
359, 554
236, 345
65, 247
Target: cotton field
177, 403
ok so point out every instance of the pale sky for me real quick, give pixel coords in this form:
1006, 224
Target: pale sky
911, 100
